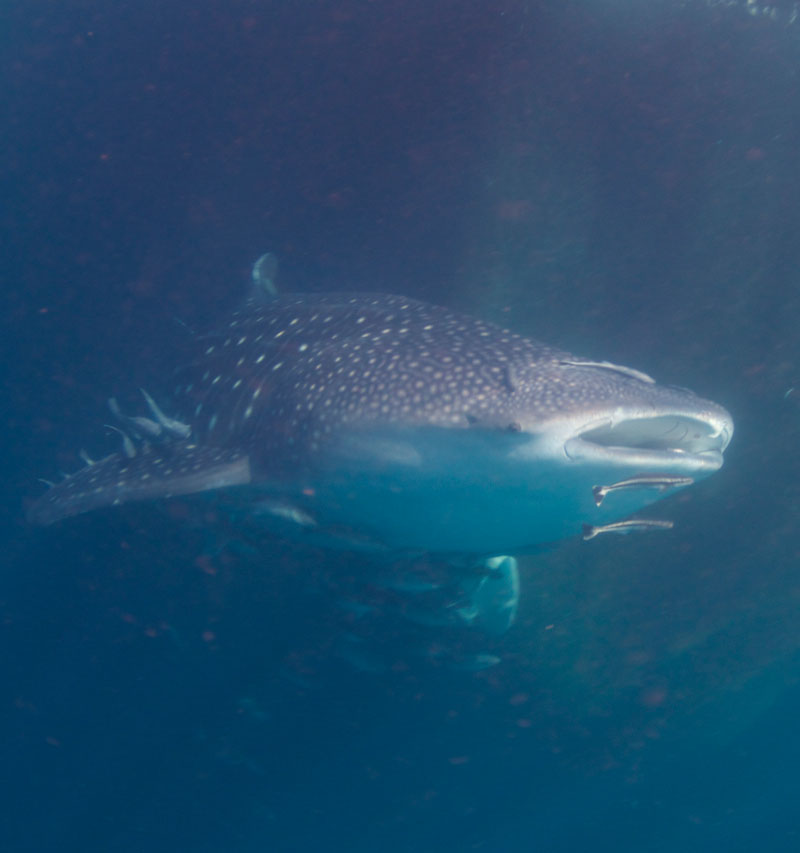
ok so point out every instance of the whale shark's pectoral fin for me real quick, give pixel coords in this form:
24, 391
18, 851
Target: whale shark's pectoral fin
163, 471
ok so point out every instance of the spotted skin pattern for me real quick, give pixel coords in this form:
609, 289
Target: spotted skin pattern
310, 365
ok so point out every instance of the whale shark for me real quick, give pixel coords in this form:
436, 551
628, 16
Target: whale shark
380, 423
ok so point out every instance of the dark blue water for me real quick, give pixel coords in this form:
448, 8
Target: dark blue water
622, 182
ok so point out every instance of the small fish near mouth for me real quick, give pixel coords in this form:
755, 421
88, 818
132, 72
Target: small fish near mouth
660, 482
630, 525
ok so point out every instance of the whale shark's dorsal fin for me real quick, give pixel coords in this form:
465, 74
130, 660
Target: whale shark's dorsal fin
263, 276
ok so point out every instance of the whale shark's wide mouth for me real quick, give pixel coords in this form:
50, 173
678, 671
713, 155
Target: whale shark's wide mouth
667, 432
685, 440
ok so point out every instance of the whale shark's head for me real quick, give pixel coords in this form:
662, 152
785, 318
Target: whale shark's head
380, 421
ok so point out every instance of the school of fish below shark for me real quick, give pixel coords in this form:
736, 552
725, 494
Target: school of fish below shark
437, 446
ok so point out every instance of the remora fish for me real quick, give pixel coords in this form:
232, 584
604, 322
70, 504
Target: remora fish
381, 421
